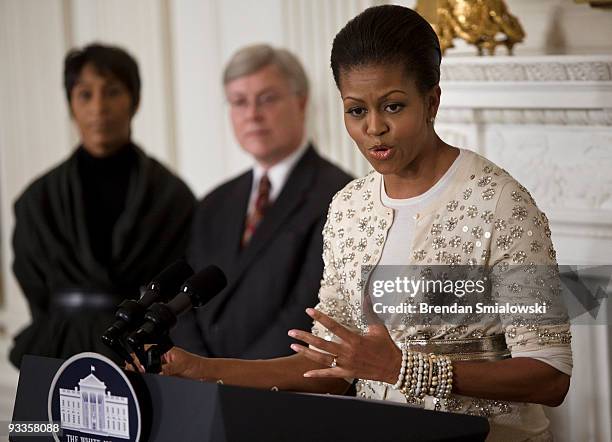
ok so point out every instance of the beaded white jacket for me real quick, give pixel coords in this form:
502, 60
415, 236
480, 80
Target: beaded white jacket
483, 218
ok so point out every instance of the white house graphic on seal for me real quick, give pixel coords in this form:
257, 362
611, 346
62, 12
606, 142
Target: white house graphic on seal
91, 409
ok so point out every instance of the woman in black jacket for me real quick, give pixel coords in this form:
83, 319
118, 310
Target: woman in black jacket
97, 227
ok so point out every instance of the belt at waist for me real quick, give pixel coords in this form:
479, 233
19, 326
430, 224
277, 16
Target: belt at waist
463, 349
75, 300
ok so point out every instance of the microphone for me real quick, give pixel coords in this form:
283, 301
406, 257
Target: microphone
195, 292
131, 313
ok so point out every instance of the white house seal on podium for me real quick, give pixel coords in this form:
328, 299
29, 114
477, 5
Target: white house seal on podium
94, 401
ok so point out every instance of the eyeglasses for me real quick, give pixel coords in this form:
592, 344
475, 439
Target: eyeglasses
264, 101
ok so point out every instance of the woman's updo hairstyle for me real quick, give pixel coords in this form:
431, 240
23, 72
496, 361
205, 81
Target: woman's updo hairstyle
389, 35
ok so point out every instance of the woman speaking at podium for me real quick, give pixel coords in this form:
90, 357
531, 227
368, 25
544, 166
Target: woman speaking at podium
425, 204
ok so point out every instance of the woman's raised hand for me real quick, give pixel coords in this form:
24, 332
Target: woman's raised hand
372, 356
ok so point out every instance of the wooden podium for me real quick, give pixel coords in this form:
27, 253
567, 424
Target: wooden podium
176, 409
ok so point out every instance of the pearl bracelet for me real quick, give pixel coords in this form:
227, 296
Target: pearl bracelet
424, 374
400, 377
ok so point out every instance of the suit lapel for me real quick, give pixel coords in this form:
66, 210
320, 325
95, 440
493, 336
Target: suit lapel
290, 199
234, 215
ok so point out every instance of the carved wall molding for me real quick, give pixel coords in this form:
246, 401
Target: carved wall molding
564, 225
576, 117
580, 83
566, 169
536, 69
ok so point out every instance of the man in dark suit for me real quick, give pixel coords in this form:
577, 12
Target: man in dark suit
264, 227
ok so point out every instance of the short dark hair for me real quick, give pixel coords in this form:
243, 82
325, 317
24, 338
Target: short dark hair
106, 60
389, 35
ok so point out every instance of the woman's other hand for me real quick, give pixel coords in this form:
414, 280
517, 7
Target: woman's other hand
181, 363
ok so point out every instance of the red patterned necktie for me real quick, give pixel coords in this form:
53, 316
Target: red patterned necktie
261, 205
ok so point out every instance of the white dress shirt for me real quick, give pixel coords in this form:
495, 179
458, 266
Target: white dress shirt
277, 175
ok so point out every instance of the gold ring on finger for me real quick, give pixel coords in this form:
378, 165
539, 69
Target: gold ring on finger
334, 363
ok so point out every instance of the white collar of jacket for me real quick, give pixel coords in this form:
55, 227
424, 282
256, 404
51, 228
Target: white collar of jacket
373, 182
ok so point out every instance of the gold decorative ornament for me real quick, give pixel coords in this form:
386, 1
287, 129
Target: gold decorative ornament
485, 24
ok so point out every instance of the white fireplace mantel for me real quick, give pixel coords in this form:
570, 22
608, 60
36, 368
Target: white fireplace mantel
569, 82
548, 120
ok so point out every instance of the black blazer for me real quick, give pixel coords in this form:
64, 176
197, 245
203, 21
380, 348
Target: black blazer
274, 278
